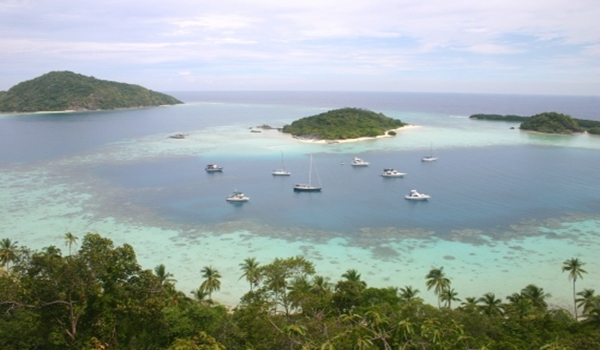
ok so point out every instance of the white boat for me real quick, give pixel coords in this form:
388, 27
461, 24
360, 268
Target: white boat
282, 171
308, 187
392, 173
359, 162
237, 196
430, 157
212, 168
416, 196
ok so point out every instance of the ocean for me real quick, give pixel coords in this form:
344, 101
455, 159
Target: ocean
507, 207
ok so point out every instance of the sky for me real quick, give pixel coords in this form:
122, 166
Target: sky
459, 46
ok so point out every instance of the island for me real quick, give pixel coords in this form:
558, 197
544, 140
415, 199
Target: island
64, 90
547, 122
343, 124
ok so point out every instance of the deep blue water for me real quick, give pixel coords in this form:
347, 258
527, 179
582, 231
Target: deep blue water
484, 189
472, 188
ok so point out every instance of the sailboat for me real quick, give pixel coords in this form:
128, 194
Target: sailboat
282, 171
308, 187
430, 157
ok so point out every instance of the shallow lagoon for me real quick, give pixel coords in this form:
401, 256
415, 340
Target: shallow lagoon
508, 206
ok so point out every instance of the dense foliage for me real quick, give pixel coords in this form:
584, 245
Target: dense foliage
548, 122
551, 122
342, 124
508, 118
100, 298
59, 91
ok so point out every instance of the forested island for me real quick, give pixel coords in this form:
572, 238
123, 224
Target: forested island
547, 122
64, 90
99, 297
343, 124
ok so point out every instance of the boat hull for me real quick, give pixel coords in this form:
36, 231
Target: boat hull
306, 188
416, 198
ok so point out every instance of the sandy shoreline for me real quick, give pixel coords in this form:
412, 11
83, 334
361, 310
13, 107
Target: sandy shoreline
406, 127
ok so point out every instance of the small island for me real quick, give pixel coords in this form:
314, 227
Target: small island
343, 124
547, 122
64, 91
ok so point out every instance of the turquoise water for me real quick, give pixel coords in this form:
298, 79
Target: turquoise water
507, 206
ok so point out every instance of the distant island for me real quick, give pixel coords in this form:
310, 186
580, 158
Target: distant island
547, 122
64, 90
343, 124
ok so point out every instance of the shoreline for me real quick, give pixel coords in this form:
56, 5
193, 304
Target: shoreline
8, 114
403, 128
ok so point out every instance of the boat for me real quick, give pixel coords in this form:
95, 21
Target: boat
430, 157
282, 171
392, 173
213, 168
237, 196
359, 162
308, 187
416, 196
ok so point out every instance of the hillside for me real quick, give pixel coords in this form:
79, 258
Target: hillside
342, 124
59, 91
547, 122
551, 122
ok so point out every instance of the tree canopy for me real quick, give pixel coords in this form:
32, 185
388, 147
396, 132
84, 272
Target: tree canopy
99, 297
342, 124
551, 122
64, 90
547, 122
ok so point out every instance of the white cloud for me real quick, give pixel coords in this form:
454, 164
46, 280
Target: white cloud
492, 49
322, 37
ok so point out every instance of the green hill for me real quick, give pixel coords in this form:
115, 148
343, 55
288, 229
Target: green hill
59, 91
342, 124
551, 122
547, 122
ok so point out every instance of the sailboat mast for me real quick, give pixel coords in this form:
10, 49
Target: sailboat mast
310, 171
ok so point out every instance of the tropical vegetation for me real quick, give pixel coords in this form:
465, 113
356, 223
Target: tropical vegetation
547, 122
99, 297
64, 90
551, 122
342, 124
499, 117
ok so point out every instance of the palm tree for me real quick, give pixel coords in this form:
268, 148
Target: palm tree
491, 306
320, 285
69, 240
520, 305
438, 281
408, 293
537, 296
199, 294
469, 305
449, 295
211, 282
251, 272
586, 301
8, 252
164, 277
574, 266
298, 290
353, 276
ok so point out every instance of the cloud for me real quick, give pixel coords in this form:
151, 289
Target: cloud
493, 49
319, 38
